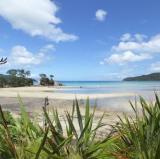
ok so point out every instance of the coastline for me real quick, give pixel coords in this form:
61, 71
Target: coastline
34, 108
33, 99
50, 92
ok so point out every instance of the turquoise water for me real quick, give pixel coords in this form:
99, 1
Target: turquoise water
91, 87
145, 89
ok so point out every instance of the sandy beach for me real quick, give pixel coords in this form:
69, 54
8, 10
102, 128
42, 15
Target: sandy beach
50, 92
33, 99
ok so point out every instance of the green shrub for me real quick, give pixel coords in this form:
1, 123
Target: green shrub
140, 136
8, 117
135, 137
27, 139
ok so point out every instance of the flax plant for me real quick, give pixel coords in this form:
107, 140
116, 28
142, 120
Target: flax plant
140, 135
25, 139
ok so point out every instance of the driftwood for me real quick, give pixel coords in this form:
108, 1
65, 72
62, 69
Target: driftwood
3, 61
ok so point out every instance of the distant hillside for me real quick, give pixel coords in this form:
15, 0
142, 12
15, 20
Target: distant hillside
149, 77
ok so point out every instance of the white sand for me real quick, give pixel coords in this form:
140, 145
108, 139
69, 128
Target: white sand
50, 92
61, 101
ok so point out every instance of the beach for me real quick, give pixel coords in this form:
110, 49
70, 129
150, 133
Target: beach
33, 100
113, 104
50, 92
111, 96
33, 96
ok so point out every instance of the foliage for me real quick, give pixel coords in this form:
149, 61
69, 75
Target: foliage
12, 72
22, 73
16, 78
149, 77
136, 137
3, 81
43, 75
18, 72
45, 81
3, 61
140, 137
24, 139
8, 117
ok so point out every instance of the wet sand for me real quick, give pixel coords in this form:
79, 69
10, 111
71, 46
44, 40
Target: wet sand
34, 108
50, 92
33, 99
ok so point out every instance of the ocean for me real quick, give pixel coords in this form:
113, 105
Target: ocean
110, 86
138, 88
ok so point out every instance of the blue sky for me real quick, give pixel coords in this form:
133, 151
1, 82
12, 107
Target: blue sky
81, 40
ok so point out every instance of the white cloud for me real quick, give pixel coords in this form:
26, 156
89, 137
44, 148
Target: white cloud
136, 37
155, 67
140, 37
134, 48
151, 46
101, 15
127, 56
35, 17
47, 48
126, 37
20, 55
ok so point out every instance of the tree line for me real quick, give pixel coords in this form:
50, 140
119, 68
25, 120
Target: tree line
46, 81
21, 78
149, 77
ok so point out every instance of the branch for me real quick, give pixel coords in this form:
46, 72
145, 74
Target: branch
3, 61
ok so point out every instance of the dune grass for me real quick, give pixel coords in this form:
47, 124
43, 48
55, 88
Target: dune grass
136, 137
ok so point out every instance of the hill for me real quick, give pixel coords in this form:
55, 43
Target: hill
149, 77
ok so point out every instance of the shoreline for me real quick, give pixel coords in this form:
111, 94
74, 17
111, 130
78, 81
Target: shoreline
50, 92
34, 106
33, 99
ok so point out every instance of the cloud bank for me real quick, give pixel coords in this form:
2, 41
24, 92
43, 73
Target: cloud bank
20, 55
134, 48
36, 18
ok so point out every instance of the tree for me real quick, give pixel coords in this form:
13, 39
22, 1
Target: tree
12, 72
16, 78
3, 61
43, 75
51, 76
51, 82
44, 80
21, 73
3, 81
28, 73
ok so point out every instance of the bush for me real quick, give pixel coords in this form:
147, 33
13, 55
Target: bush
26, 139
3, 81
8, 117
136, 137
140, 136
